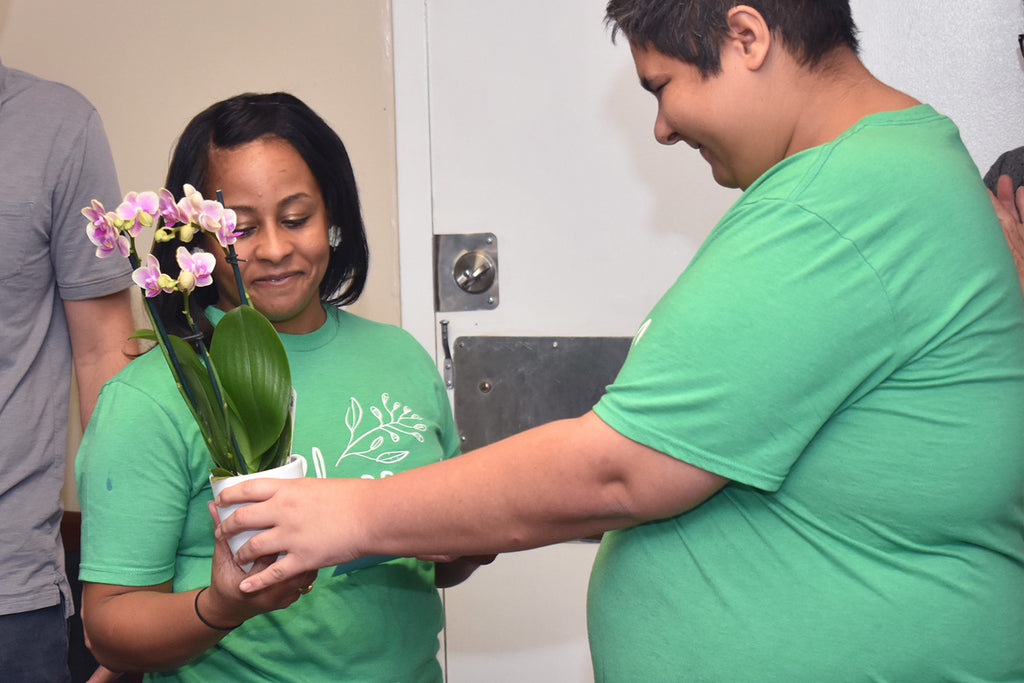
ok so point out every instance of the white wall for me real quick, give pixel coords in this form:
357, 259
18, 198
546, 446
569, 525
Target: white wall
961, 56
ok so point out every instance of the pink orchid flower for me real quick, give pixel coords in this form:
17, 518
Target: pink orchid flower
191, 203
96, 214
215, 219
139, 208
150, 278
102, 232
210, 215
169, 210
199, 265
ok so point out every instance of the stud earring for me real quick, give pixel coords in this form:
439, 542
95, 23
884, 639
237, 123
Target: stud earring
334, 236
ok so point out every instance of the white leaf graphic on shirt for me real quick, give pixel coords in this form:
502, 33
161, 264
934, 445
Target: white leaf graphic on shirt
393, 421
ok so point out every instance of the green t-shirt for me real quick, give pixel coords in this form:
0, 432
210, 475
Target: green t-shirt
847, 347
369, 403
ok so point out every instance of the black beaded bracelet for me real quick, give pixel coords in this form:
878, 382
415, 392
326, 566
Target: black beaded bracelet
214, 627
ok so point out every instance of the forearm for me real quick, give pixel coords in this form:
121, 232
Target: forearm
539, 487
148, 630
565, 480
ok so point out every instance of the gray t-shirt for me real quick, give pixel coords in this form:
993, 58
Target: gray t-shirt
1009, 163
54, 159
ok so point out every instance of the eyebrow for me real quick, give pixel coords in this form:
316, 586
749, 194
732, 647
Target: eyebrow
287, 200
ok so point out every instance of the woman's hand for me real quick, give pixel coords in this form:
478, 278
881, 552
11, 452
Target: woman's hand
151, 628
290, 511
450, 571
225, 605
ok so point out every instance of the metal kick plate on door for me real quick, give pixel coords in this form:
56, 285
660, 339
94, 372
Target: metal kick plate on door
465, 272
504, 385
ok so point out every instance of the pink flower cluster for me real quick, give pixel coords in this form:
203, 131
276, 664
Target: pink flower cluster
116, 230
110, 230
196, 271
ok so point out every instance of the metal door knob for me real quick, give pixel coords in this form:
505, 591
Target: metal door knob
474, 272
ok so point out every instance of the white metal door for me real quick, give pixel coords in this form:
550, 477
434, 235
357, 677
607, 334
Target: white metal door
531, 126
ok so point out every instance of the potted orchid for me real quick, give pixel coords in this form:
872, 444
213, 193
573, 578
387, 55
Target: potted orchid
239, 392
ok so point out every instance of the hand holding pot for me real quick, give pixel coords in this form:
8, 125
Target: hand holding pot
223, 604
287, 512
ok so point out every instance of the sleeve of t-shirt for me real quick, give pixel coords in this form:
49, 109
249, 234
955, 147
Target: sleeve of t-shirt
88, 173
776, 324
134, 486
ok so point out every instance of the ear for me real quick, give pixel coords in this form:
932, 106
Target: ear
749, 35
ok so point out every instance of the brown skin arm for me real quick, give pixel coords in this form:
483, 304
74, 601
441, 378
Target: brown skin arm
1009, 208
150, 628
99, 329
565, 480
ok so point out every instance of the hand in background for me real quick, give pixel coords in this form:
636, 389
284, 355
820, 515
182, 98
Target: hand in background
1009, 208
450, 572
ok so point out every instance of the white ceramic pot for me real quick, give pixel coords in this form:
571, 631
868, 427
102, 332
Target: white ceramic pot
295, 468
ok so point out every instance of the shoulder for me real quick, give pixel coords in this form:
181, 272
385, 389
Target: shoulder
146, 375
46, 113
29, 91
382, 336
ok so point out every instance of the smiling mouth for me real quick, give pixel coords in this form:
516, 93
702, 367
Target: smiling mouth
275, 279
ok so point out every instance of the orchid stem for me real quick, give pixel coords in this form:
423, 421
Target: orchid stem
133, 259
232, 258
242, 469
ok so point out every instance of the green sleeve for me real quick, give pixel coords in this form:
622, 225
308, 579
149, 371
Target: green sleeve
754, 347
135, 484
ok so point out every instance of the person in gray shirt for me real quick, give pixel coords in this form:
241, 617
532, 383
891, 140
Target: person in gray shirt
60, 304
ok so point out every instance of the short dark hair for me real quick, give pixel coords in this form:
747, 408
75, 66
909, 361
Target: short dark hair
694, 30
252, 116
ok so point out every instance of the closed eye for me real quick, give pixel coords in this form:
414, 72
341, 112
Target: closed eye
294, 223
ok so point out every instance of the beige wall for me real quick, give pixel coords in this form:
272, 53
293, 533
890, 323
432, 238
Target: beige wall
149, 66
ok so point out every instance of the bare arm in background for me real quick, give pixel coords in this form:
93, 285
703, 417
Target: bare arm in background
99, 330
1009, 208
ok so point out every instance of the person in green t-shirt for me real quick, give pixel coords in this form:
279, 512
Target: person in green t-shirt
811, 464
159, 595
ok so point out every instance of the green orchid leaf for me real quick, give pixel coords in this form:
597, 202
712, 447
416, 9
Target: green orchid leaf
278, 453
207, 410
253, 370
144, 333
220, 473
241, 433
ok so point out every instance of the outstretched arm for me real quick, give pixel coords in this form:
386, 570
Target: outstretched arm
567, 479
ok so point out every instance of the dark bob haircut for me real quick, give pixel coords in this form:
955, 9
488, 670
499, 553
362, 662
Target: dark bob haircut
242, 119
694, 30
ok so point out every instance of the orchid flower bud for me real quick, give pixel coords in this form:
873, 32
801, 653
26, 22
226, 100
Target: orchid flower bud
186, 281
165, 282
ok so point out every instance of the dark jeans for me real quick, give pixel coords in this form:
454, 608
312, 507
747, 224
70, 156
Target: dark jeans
34, 647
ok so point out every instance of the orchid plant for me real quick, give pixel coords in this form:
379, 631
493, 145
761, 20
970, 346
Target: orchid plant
239, 392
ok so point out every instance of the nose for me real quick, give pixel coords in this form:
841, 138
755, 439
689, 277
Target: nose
272, 244
663, 132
